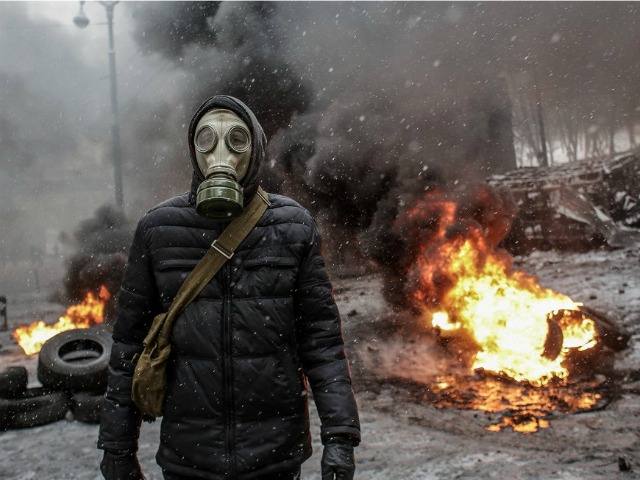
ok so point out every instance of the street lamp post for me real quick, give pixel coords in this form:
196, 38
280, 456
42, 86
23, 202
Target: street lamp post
81, 21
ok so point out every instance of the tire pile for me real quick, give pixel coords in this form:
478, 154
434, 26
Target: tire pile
72, 368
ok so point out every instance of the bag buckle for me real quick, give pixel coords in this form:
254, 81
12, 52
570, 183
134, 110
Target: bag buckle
264, 197
223, 251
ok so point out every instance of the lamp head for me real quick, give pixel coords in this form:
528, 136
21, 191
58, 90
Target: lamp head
81, 20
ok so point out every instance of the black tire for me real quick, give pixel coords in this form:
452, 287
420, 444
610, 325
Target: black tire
13, 382
87, 406
76, 360
612, 335
35, 407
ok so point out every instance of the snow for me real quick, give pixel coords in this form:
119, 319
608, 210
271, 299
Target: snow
402, 438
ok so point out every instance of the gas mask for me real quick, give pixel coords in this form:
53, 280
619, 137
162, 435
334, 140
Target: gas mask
222, 143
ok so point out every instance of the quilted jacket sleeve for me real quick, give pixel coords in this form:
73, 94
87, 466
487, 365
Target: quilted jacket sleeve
137, 305
321, 348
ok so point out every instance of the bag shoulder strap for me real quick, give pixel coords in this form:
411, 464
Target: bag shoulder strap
222, 249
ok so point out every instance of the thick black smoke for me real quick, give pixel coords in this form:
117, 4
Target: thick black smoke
168, 27
369, 105
231, 48
101, 245
362, 138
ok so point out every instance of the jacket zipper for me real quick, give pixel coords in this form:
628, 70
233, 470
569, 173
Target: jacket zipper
228, 373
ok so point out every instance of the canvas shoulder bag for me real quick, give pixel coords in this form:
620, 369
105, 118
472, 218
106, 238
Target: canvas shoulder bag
149, 378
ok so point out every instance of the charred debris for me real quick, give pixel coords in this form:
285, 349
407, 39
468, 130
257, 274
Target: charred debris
574, 206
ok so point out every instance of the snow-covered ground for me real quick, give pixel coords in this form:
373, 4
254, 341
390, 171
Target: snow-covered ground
403, 438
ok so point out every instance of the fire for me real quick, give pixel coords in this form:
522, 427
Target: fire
515, 327
515, 405
83, 315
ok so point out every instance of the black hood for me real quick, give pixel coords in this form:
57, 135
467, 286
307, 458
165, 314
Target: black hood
251, 180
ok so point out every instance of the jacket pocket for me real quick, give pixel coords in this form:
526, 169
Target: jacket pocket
268, 277
270, 262
176, 263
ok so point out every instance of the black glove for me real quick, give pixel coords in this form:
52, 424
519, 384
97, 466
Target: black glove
337, 461
120, 466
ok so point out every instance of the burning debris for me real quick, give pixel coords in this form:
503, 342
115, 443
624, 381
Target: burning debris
516, 345
505, 403
86, 314
92, 280
465, 289
575, 205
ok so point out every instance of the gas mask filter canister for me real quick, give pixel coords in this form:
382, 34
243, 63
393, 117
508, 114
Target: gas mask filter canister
223, 151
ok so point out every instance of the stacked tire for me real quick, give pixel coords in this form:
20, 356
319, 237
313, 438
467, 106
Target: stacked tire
72, 368
22, 407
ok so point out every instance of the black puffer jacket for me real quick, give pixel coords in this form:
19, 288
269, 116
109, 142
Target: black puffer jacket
237, 399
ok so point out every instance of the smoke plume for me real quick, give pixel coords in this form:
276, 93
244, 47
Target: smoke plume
367, 105
355, 120
101, 246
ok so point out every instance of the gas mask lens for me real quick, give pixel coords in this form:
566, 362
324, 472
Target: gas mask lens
206, 139
238, 139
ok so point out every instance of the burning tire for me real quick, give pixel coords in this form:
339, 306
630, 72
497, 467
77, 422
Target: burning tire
13, 382
87, 407
35, 407
76, 360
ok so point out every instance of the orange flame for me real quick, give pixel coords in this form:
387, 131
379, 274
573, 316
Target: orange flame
83, 315
465, 290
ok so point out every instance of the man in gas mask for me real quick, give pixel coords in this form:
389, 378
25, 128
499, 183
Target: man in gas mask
242, 352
